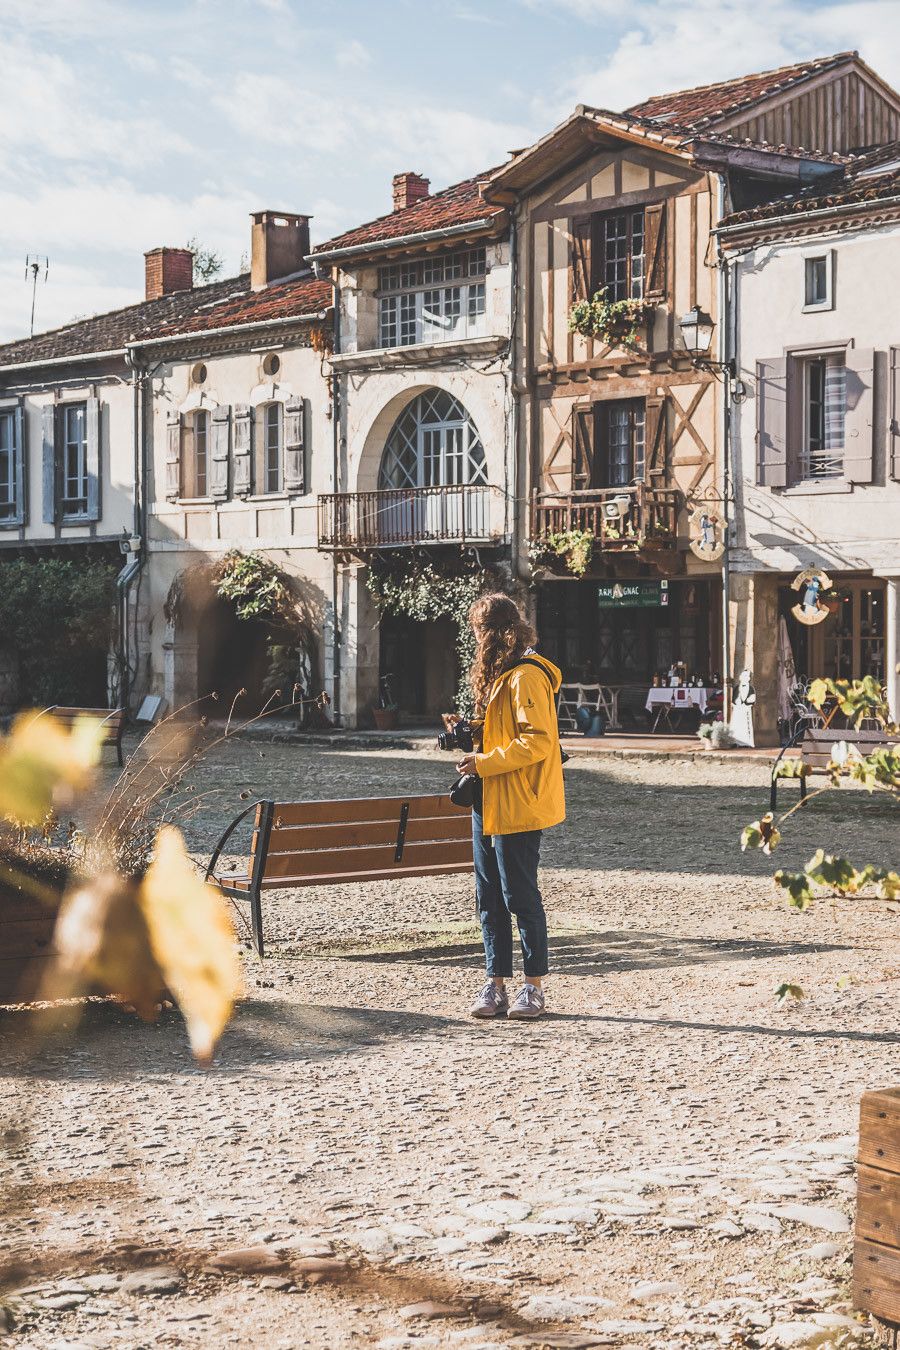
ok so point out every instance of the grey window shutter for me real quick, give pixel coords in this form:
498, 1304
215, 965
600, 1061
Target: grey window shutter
894, 415
656, 436
173, 456
221, 435
18, 516
49, 476
655, 251
92, 432
860, 415
242, 442
294, 445
771, 422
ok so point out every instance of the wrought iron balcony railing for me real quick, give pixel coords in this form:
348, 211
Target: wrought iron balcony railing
622, 520
400, 517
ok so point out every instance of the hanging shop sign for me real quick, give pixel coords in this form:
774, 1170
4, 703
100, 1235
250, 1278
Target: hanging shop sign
707, 539
811, 584
633, 594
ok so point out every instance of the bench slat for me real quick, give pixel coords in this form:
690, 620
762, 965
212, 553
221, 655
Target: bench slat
301, 837
355, 810
381, 874
324, 862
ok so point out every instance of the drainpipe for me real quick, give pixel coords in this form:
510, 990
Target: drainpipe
131, 570
726, 349
336, 471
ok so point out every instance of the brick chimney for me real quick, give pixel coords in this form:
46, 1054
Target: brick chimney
409, 188
167, 270
279, 243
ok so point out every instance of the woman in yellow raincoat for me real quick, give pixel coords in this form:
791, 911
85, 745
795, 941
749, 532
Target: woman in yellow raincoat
520, 767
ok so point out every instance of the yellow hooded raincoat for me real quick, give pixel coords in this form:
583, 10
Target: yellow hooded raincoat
520, 760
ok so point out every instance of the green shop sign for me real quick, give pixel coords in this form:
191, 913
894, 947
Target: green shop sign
633, 594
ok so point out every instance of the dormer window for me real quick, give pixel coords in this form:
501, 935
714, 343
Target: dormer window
436, 299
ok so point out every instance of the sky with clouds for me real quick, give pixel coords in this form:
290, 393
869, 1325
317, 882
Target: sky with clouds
125, 124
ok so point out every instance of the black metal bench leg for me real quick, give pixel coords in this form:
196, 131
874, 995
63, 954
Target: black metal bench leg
256, 922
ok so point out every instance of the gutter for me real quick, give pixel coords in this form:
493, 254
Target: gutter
398, 241
766, 222
63, 360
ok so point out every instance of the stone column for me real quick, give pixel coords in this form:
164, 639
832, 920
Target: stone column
360, 649
753, 621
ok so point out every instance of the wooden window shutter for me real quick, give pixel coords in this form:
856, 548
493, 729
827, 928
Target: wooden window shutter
582, 447
242, 447
18, 516
893, 439
656, 436
294, 445
860, 415
655, 274
771, 422
173, 456
92, 457
220, 426
582, 275
50, 476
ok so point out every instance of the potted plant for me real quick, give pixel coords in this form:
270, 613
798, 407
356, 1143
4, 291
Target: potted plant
574, 547
387, 712
615, 322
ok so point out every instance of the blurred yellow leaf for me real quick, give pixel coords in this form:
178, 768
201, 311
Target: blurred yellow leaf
102, 942
43, 763
193, 941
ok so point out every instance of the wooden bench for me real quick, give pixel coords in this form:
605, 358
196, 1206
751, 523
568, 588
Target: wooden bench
111, 719
876, 1252
815, 750
326, 843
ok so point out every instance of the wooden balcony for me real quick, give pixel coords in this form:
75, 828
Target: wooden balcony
634, 519
360, 522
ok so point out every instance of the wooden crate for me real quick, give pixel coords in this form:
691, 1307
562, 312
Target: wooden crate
876, 1254
26, 934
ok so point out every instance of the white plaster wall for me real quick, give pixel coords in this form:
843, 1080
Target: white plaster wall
839, 527
116, 459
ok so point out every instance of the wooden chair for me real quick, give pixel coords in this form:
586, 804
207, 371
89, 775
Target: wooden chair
325, 843
112, 720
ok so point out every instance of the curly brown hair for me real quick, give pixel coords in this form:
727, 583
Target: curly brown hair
503, 638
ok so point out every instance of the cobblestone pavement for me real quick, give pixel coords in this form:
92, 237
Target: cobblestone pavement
665, 1160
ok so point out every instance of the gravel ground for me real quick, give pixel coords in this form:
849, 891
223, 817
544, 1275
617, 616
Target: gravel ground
665, 1160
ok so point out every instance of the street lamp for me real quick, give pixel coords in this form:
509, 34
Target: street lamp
696, 332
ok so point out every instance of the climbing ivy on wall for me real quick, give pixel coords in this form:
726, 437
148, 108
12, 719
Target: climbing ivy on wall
59, 619
428, 590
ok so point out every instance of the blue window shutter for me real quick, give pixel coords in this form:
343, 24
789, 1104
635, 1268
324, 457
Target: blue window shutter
18, 517
771, 422
50, 476
220, 426
294, 447
859, 417
241, 458
92, 431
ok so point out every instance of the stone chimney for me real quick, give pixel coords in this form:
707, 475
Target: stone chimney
409, 188
167, 270
279, 243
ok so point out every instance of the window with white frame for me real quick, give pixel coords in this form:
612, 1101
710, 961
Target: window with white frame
818, 281
436, 299
74, 459
8, 484
433, 443
269, 442
823, 385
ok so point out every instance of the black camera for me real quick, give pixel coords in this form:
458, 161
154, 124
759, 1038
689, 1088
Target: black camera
459, 738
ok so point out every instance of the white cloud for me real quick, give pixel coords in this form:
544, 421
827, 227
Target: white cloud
353, 55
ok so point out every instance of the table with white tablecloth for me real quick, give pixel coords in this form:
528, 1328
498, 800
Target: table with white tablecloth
662, 702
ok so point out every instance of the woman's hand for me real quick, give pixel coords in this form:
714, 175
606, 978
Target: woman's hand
466, 765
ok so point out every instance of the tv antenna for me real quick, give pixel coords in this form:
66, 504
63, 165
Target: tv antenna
35, 263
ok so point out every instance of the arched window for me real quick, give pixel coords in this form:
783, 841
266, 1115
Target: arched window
433, 443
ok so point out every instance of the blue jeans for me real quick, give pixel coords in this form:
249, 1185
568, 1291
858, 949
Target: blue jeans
506, 884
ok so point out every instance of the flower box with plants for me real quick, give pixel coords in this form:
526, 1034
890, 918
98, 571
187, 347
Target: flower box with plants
573, 549
615, 322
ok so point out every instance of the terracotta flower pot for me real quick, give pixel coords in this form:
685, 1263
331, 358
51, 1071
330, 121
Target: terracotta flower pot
386, 719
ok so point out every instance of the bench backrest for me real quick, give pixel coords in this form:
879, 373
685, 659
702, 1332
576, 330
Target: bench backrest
112, 718
817, 743
360, 839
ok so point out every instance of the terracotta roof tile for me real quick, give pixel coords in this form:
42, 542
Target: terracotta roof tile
203, 309
460, 204
867, 180
709, 103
